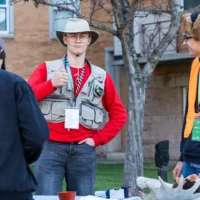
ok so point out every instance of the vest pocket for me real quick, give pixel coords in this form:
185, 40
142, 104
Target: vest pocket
45, 107
98, 89
58, 110
95, 91
98, 116
54, 111
90, 116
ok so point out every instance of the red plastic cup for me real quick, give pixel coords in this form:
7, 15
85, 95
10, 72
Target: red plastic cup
68, 195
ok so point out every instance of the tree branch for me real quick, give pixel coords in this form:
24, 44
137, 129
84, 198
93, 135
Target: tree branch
166, 40
98, 25
131, 13
102, 27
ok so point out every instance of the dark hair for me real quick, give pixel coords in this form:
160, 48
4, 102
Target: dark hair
3, 66
3, 56
194, 16
3, 53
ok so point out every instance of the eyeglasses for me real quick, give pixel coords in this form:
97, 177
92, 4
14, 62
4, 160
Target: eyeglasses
186, 38
75, 36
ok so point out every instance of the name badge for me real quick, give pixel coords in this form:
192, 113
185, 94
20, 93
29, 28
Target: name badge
196, 130
72, 118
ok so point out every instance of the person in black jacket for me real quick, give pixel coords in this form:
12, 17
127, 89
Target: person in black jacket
23, 131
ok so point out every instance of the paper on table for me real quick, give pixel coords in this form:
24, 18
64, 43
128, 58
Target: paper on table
43, 197
90, 197
117, 193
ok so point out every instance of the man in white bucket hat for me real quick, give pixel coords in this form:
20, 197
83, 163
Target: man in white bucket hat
75, 25
72, 94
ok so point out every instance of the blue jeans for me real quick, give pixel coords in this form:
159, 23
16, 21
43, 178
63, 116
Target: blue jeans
188, 170
76, 163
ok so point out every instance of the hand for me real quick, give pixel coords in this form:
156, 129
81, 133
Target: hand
60, 78
177, 170
88, 141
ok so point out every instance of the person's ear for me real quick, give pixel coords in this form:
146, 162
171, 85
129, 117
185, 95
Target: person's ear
89, 41
2, 64
64, 39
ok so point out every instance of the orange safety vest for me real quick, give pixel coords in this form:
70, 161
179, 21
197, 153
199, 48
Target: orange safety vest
192, 94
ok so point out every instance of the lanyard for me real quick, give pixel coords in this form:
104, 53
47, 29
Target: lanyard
66, 63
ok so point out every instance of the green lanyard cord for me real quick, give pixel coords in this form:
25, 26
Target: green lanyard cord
67, 66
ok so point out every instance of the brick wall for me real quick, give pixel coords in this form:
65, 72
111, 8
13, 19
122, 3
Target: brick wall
163, 107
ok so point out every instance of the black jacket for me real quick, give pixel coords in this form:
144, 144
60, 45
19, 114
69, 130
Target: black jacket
190, 150
23, 130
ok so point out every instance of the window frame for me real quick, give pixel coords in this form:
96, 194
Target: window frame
52, 9
9, 33
181, 3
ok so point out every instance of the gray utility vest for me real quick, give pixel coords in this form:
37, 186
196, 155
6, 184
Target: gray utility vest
88, 100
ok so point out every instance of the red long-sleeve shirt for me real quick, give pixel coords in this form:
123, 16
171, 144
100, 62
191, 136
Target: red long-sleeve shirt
110, 101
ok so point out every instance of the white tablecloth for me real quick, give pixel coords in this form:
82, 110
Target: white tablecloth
40, 197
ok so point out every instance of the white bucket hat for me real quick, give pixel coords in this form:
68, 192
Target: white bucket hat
75, 25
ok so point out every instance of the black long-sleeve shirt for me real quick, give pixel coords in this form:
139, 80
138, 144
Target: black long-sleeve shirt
190, 150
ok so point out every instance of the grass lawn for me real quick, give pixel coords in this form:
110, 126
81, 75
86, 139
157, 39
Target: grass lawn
110, 176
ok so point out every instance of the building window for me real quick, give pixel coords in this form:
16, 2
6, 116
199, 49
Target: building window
186, 4
190, 4
151, 32
58, 19
6, 19
148, 33
184, 99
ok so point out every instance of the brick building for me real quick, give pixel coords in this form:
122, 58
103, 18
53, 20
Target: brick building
29, 36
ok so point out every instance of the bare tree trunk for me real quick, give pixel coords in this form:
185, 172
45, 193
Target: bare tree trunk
138, 81
133, 166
